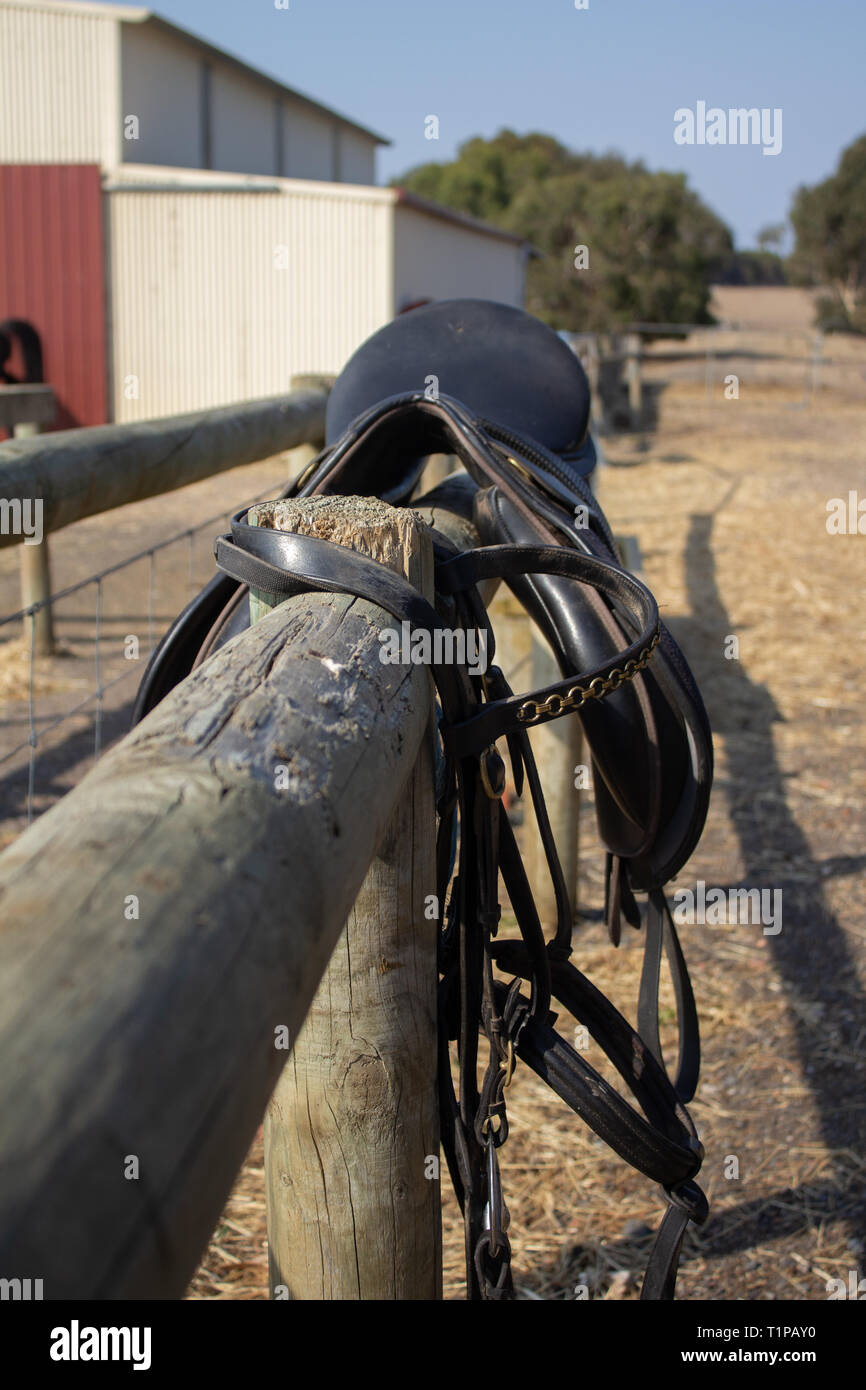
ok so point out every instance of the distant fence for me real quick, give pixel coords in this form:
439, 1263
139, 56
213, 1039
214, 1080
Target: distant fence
76, 474
620, 365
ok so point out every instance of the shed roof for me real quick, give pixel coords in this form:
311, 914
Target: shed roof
134, 14
155, 178
405, 198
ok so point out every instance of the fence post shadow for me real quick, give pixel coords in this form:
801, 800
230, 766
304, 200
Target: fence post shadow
811, 952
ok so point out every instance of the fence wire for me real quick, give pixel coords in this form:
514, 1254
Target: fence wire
37, 735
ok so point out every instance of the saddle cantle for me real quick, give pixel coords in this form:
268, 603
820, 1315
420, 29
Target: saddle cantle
502, 364
502, 392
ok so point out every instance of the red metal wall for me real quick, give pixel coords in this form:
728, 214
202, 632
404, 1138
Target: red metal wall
52, 273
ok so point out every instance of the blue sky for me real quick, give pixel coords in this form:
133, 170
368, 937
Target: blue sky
606, 78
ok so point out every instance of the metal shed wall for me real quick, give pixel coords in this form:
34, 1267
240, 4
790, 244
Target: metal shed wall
52, 274
220, 296
161, 86
243, 124
59, 79
251, 130
308, 144
357, 158
435, 258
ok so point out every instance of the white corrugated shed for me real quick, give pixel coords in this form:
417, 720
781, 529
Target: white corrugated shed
222, 289
59, 78
72, 75
245, 241
220, 296
438, 255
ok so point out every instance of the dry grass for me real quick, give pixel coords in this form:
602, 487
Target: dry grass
765, 306
236, 1263
579, 1216
50, 677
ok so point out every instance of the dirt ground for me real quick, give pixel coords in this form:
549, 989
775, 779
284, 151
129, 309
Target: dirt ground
727, 499
762, 306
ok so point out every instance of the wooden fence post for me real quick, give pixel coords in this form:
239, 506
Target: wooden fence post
587, 349
36, 574
437, 468
352, 1129
633, 378
709, 363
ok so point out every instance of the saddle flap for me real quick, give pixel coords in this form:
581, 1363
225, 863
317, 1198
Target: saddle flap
650, 740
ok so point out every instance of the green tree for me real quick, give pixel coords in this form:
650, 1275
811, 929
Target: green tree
829, 221
651, 244
770, 238
753, 268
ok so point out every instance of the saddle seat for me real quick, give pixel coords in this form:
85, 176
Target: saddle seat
503, 365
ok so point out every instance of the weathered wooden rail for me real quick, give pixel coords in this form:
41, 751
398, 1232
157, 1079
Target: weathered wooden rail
164, 930
73, 474
79, 473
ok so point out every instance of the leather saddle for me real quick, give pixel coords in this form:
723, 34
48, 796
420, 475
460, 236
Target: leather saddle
650, 741
503, 392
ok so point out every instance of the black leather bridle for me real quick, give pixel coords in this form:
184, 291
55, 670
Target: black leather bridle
521, 486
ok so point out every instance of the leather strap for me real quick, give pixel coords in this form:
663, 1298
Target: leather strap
660, 931
686, 1204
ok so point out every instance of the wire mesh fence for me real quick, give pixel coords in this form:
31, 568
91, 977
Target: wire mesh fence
64, 711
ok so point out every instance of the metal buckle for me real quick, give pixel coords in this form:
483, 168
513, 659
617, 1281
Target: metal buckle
492, 769
691, 1199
